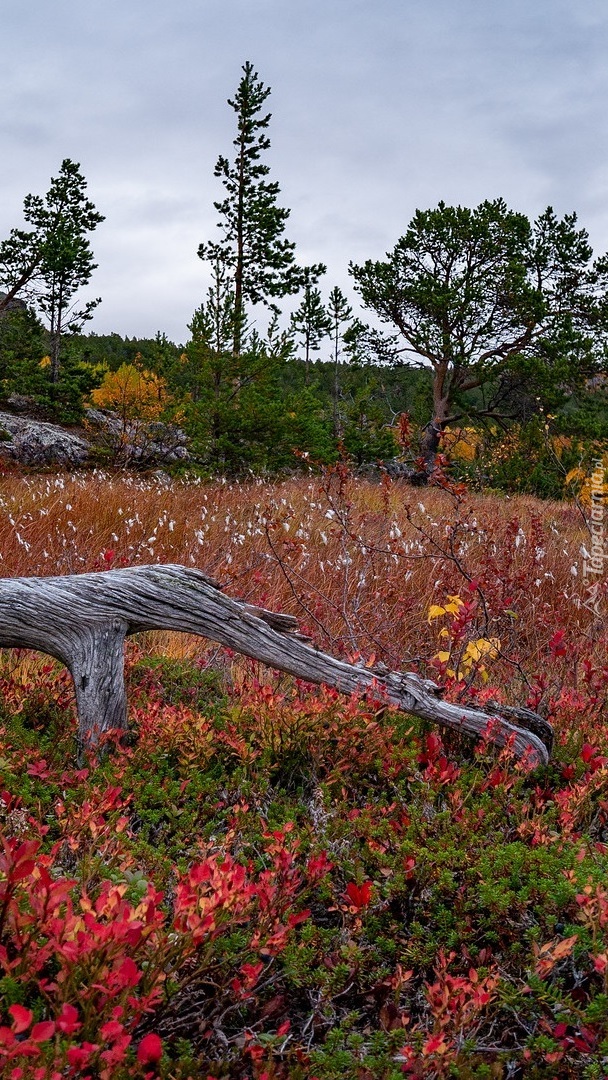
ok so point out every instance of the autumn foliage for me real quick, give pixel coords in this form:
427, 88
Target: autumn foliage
270, 881
132, 393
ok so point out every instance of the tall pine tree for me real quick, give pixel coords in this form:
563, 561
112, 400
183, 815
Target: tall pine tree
253, 248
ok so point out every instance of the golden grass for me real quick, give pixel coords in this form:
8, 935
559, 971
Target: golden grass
359, 563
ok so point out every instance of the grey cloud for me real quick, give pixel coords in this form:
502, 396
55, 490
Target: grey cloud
377, 108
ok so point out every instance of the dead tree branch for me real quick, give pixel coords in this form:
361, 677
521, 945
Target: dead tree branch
83, 620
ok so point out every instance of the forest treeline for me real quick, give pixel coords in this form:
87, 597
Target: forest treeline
486, 349
290, 413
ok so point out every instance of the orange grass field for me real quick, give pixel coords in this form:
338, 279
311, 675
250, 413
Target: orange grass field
360, 563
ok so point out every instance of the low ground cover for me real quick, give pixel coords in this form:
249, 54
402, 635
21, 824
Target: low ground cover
273, 881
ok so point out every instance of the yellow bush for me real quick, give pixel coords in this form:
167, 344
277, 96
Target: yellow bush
472, 654
590, 483
132, 393
461, 444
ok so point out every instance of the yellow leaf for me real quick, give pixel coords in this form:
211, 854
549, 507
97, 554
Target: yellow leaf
494, 649
435, 612
472, 652
452, 608
574, 474
454, 605
483, 647
133, 393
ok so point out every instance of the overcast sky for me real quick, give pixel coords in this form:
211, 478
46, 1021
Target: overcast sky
379, 107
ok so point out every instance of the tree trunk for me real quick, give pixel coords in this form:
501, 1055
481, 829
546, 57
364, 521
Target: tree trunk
26, 276
83, 620
430, 440
431, 434
239, 270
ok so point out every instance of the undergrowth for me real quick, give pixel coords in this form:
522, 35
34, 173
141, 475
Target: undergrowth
276, 882
268, 881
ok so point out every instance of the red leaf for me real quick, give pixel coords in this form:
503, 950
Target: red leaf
436, 1044
67, 1021
302, 916
359, 895
128, 973
39, 769
112, 1030
22, 1018
434, 746
557, 644
80, 1055
150, 1049
42, 1031
22, 870
409, 865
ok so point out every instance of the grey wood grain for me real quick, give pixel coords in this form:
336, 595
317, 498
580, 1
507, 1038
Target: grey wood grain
83, 620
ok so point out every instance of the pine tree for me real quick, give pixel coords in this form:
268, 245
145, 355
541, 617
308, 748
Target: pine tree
53, 260
483, 295
254, 251
310, 322
340, 315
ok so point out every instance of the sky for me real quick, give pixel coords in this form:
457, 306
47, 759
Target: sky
379, 107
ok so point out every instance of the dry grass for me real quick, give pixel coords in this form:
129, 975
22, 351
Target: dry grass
358, 562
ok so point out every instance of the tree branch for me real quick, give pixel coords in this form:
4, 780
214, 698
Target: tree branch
83, 619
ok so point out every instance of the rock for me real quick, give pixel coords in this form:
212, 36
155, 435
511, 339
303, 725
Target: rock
137, 442
27, 406
38, 443
35, 442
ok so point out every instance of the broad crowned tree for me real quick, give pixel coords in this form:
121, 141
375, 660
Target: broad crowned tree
486, 299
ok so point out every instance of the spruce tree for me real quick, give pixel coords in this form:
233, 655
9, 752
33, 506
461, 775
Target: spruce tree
232, 396
217, 380
253, 248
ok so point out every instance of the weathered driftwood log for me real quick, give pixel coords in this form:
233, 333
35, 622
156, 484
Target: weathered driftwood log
83, 620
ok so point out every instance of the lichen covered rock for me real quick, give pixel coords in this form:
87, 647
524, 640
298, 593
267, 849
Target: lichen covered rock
38, 443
